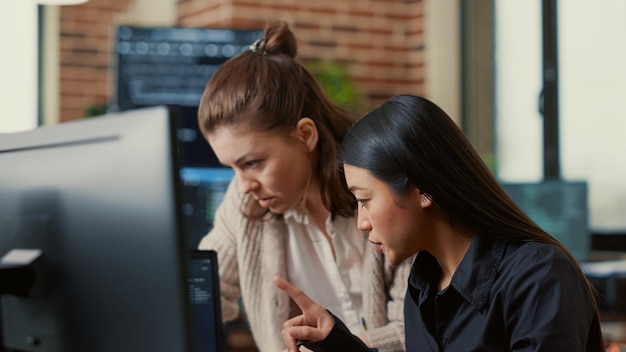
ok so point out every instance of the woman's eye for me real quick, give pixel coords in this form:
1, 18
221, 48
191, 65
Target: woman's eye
362, 202
252, 164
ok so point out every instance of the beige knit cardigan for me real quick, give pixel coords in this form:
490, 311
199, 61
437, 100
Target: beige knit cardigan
248, 261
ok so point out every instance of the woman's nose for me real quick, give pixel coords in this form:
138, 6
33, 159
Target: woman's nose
246, 184
363, 223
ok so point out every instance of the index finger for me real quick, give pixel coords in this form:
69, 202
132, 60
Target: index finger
302, 300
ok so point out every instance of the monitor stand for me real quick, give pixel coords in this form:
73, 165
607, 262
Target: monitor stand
18, 273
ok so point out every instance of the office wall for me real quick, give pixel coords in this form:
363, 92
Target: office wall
78, 62
381, 41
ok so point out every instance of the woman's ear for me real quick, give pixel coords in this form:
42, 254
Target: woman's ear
425, 201
306, 131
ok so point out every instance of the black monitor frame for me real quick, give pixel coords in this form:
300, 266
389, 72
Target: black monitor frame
99, 198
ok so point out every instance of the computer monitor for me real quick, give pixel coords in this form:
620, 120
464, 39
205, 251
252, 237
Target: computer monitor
203, 191
204, 296
204, 179
100, 198
560, 207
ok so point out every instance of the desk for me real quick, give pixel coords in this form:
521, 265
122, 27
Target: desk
609, 278
614, 331
240, 340
608, 275
238, 336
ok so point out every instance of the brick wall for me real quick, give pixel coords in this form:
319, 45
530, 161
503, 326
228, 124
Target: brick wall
381, 40
86, 60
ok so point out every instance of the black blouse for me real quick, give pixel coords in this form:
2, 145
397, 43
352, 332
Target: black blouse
504, 296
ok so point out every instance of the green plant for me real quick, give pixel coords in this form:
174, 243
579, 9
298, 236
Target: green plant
490, 160
334, 79
95, 110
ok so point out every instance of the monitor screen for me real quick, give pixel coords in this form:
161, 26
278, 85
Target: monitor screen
560, 207
203, 191
171, 65
100, 199
204, 299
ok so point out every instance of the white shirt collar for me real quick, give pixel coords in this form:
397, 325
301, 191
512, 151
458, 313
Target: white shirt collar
297, 214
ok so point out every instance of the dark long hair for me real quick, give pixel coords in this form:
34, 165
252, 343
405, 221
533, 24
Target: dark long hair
267, 89
410, 142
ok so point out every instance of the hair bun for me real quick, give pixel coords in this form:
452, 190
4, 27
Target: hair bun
277, 39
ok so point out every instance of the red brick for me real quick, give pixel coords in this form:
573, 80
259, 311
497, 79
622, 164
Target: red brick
381, 39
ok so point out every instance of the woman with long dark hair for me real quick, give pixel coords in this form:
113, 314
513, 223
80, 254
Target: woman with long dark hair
486, 277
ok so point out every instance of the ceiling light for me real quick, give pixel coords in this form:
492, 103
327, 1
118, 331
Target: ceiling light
61, 2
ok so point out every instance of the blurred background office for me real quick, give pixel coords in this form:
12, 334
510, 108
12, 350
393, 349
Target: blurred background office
539, 86
481, 60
